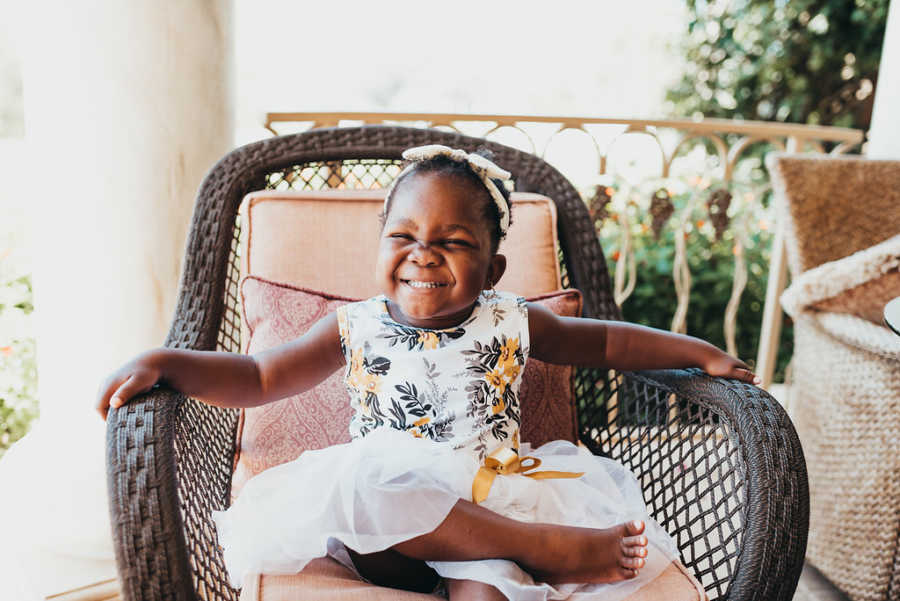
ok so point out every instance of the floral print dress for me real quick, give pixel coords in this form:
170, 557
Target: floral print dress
458, 385
429, 406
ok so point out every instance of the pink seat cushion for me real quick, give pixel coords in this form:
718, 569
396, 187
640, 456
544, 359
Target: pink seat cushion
325, 579
278, 432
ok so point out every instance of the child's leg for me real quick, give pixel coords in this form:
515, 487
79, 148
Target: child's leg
551, 553
472, 590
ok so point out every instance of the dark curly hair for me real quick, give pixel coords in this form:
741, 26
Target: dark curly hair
443, 165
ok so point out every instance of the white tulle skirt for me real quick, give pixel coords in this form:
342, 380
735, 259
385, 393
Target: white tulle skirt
388, 487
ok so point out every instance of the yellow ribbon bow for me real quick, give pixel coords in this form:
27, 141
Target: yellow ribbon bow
507, 461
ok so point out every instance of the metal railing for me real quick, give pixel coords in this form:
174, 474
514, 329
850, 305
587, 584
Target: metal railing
699, 152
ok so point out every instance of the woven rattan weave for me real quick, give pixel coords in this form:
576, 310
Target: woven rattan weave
719, 461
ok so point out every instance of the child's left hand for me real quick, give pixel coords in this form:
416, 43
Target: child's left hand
726, 366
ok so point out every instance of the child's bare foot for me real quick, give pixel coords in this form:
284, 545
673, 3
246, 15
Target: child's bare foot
591, 555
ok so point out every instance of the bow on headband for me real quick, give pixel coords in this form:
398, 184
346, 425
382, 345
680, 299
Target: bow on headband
481, 166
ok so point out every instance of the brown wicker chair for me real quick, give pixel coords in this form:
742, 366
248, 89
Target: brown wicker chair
719, 460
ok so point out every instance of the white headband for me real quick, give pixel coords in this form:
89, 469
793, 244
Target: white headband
482, 167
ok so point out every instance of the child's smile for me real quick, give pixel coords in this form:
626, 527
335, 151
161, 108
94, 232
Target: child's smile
435, 253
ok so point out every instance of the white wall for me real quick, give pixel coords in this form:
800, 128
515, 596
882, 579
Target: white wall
127, 105
884, 133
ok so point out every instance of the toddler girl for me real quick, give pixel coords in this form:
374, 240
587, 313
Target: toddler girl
433, 367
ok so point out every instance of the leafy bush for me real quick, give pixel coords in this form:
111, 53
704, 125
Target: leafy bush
18, 369
803, 61
711, 262
710, 257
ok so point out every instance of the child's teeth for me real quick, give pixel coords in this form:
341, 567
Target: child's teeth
416, 284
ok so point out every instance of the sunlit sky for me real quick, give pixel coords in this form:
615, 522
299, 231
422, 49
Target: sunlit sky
564, 57
567, 57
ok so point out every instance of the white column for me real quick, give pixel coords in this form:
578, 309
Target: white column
127, 105
884, 133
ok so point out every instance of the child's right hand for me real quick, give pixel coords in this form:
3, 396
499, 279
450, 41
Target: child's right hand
137, 376
232, 380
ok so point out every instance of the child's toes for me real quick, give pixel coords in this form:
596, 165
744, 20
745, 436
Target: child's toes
628, 573
635, 551
634, 541
634, 563
639, 540
634, 527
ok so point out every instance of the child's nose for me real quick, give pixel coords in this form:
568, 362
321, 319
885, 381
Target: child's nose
424, 254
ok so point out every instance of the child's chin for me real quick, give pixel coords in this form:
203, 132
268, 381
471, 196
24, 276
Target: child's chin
416, 312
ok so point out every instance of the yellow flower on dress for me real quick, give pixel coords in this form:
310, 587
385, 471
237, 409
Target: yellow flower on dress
356, 361
371, 383
342, 323
512, 371
416, 430
508, 352
428, 340
354, 378
496, 380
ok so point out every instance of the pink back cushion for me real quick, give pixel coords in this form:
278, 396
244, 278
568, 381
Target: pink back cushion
290, 237
278, 432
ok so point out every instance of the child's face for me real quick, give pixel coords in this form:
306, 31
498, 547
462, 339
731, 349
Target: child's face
435, 254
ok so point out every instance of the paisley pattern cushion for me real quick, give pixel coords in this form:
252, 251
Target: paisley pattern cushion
278, 432
546, 397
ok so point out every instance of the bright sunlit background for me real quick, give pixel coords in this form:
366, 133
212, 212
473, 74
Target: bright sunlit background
568, 58
132, 85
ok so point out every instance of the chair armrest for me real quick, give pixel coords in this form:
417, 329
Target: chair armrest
169, 463
148, 534
722, 471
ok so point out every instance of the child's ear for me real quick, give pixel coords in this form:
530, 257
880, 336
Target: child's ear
496, 271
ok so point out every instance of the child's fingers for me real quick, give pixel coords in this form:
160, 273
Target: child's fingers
135, 384
125, 391
741, 364
747, 375
104, 394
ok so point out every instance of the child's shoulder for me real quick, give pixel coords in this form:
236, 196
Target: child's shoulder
503, 297
373, 306
503, 300
506, 303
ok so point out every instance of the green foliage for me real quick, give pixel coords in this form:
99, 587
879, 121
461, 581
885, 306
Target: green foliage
711, 264
800, 61
18, 370
710, 258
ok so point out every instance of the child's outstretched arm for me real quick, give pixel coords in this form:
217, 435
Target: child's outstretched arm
230, 379
624, 346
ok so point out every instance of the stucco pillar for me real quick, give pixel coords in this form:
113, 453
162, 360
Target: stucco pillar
127, 105
884, 133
